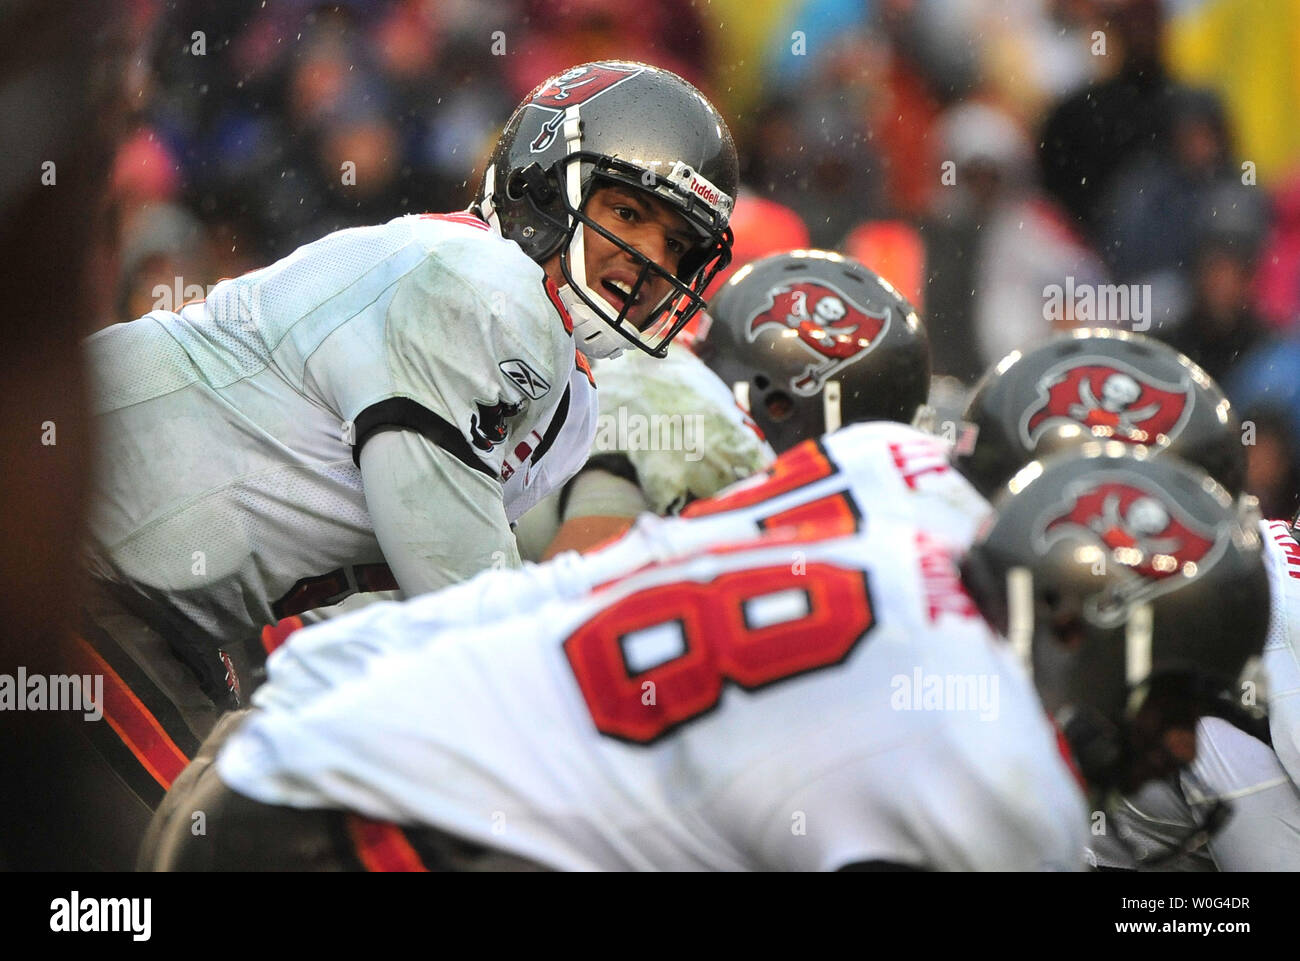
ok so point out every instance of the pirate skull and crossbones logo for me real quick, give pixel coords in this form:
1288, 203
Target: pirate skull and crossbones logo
1119, 392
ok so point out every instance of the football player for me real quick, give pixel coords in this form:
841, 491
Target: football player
1245, 776
1102, 383
374, 410
637, 722
841, 482
1145, 567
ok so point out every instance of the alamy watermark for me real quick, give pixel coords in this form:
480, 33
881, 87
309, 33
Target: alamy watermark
1118, 304
625, 431
53, 692
921, 691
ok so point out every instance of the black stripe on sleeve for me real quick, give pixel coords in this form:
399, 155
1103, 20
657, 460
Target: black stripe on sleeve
552, 429
402, 413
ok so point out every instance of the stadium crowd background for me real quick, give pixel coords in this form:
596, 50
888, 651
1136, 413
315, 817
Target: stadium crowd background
975, 152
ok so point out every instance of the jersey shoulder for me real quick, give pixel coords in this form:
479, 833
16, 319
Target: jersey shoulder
476, 296
678, 424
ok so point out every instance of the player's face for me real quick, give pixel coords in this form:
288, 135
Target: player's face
644, 223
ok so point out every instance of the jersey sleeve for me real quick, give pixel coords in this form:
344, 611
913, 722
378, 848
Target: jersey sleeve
465, 349
437, 520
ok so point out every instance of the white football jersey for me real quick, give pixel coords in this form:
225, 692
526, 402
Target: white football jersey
1262, 833
847, 480
1282, 646
226, 472
786, 705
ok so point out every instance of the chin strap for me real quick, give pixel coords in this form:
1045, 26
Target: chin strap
592, 334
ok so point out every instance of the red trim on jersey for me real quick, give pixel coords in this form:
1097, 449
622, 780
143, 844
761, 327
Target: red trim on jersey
462, 217
382, 846
822, 519
273, 635
553, 294
797, 467
584, 365
134, 723
1281, 533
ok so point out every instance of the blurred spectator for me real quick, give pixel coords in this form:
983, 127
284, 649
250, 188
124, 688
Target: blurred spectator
1265, 389
994, 244
1148, 217
1278, 279
1222, 324
1036, 52
1273, 461
813, 154
1098, 129
1247, 51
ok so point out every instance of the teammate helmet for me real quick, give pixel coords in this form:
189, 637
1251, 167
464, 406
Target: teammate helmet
810, 340
1099, 384
624, 122
1131, 583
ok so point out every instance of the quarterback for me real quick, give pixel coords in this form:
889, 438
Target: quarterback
374, 410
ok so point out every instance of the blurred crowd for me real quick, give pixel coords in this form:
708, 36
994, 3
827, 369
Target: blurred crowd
977, 153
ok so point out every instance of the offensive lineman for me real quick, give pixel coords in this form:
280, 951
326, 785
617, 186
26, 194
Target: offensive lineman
1140, 390
633, 751
387, 397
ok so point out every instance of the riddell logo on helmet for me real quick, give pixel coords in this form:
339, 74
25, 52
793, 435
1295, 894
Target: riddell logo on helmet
828, 324
575, 86
1139, 525
1111, 398
710, 194
685, 178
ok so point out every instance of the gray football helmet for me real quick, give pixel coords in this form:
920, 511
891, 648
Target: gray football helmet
811, 340
623, 122
1134, 587
1099, 384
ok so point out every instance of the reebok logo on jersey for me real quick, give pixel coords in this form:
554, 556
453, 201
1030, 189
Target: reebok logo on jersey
525, 378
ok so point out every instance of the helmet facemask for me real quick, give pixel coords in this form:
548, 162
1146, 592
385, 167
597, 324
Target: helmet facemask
598, 329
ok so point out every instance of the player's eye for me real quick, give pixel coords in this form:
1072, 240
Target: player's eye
624, 213
676, 246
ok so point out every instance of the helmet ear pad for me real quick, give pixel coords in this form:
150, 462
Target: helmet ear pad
531, 211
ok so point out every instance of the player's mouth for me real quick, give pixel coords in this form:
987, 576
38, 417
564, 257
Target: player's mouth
618, 291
